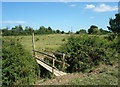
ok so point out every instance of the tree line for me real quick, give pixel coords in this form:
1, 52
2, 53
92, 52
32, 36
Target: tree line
93, 30
18, 30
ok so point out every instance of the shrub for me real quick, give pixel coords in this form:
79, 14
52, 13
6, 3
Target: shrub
18, 67
63, 39
37, 39
87, 52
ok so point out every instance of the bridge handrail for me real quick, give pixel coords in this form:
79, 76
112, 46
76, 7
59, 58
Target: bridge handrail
44, 54
61, 54
50, 57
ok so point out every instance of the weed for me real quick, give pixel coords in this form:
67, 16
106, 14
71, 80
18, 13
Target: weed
36, 39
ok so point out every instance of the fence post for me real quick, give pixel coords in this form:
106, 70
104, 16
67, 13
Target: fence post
53, 64
43, 57
33, 44
35, 54
63, 62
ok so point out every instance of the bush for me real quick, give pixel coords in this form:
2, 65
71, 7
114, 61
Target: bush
87, 52
36, 39
113, 40
63, 39
18, 67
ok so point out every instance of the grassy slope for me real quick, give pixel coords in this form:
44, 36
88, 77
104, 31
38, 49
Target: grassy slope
102, 75
106, 75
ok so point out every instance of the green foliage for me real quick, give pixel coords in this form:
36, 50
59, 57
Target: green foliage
103, 31
36, 39
62, 32
93, 29
87, 52
58, 31
81, 31
28, 31
18, 30
63, 39
114, 41
18, 67
115, 24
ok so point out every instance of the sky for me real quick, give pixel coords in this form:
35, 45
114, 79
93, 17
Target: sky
58, 15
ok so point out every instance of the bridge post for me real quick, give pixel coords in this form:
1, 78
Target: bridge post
43, 57
35, 54
53, 64
63, 61
33, 44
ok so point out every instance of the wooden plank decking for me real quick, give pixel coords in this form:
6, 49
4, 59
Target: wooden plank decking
50, 68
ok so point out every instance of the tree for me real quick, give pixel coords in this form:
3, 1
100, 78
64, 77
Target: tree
115, 25
42, 30
62, 32
103, 31
93, 29
5, 32
49, 30
81, 31
28, 30
20, 29
58, 31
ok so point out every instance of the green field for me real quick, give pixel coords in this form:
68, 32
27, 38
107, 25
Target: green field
51, 42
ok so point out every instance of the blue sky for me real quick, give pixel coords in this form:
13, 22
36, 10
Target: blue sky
58, 15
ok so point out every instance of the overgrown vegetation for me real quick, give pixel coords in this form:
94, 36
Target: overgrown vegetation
87, 52
18, 67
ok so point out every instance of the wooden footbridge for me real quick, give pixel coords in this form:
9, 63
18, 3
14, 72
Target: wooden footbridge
40, 58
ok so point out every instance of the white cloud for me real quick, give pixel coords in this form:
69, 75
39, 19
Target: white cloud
90, 6
102, 8
105, 8
73, 5
10, 22
92, 17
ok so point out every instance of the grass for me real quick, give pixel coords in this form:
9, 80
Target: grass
102, 79
108, 76
50, 42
